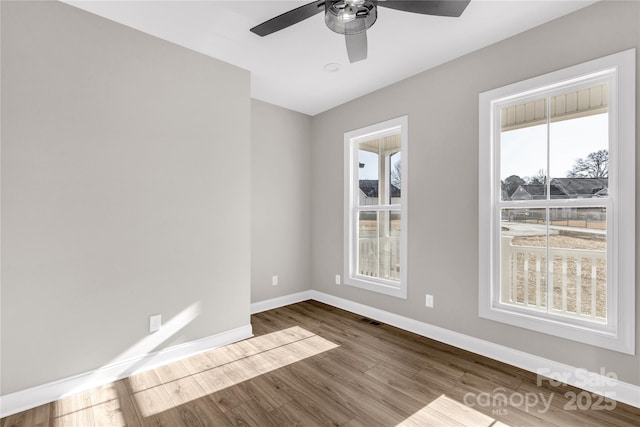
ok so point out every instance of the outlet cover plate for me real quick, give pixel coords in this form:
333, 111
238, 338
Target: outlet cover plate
155, 322
429, 301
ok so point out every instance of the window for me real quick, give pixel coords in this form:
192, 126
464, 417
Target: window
375, 207
557, 203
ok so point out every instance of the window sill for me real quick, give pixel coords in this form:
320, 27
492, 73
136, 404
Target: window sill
592, 333
386, 288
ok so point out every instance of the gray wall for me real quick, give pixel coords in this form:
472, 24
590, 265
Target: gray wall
280, 201
125, 191
442, 105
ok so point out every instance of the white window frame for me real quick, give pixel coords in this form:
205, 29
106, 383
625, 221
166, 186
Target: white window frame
351, 193
618, 333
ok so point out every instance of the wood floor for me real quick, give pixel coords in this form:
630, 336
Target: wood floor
310, 364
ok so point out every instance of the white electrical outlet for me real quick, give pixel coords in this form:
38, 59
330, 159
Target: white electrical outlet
274, 280
338, 281
155, 322
429, 301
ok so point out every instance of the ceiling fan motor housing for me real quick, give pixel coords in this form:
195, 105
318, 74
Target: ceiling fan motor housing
350, 16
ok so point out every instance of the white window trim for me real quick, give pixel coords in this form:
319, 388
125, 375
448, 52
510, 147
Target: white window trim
351, 189
619, 335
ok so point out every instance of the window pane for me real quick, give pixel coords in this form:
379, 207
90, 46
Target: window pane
368, 164
379, 244
523, 151
579, 157
523, 257
368, 243
379, 171
578, 248
395, 178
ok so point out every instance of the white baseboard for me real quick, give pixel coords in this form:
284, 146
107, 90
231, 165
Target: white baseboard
39, 395
270, 304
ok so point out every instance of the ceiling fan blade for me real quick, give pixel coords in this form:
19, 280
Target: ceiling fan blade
288, 18
453, 8
356, 46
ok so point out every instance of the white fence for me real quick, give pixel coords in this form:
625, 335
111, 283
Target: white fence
577, 278
383, 263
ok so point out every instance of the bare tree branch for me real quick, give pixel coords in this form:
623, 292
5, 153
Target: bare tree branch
595, 165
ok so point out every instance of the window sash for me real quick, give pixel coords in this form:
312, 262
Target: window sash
609, 324
604, 77
355, 253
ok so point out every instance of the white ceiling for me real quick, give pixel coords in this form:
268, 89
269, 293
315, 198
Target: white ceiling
287, 67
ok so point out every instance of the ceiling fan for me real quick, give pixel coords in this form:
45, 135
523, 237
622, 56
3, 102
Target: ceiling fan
353, 17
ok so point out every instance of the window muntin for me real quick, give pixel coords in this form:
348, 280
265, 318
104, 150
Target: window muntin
559, 254
375, 212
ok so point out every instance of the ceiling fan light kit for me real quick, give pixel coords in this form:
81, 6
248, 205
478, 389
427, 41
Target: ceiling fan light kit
350, 16
354, 17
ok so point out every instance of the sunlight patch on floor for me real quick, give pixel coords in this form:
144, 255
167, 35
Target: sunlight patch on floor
86, 408
446, 411
230, 365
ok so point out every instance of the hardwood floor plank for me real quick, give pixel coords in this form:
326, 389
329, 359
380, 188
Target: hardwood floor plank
428, 416
126, 404
480, 381
112, 406
172, 371
407, 384
199, 363
270, 321
36, 417
221, 356
213, 380
143, 381
168, 418
459, 412
359, 362
312, 394
202, 412
222, 390
152, 400
294, 414
249, 414
108, 414
73, 411
184, 390
363, 396
265, 393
